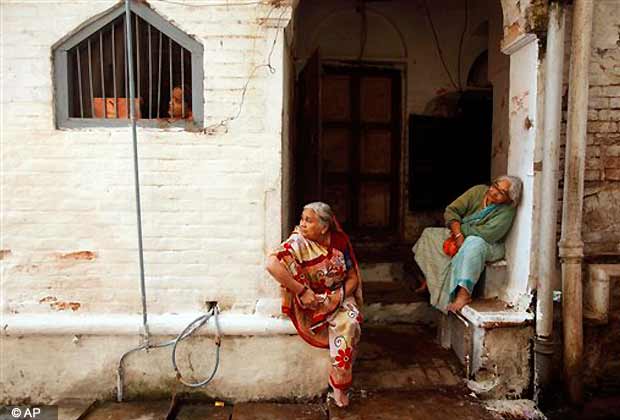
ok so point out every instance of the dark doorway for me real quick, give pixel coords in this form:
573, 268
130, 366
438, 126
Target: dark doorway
450, 154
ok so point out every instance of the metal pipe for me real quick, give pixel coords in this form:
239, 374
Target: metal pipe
138, 53
554, 69
132, 113
571, 244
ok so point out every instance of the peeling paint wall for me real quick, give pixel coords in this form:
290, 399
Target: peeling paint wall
500, 360
601, 207
84, 367
211, 203
211, 208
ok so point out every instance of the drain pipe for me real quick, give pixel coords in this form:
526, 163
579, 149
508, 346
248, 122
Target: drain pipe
132, 113
554, 69
571, 244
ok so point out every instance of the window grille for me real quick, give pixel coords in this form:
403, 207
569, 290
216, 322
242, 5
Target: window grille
92, 72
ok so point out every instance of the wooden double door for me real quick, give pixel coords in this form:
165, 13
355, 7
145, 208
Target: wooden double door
349, 136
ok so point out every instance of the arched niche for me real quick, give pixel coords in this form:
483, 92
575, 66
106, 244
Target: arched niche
339, 34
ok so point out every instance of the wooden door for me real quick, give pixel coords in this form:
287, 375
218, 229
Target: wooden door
360, 145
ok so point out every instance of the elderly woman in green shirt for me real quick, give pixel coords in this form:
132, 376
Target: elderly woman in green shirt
479, 221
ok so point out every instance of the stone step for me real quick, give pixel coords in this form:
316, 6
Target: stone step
392, 302
391, 271
491, 340
73, 408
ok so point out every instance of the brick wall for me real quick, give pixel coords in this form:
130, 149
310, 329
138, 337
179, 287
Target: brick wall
601, 230
69, 236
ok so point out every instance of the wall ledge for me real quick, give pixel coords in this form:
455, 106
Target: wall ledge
231, 324
517, 43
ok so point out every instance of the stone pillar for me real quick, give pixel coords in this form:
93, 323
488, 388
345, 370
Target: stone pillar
571, 245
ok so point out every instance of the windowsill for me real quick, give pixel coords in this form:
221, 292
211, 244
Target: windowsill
104, 123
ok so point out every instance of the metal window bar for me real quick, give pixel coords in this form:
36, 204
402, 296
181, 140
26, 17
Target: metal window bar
105, 114
182, 86
109, 35
79, 66
138, 56
150, 74
126, 66
90, 81
114, 72
159, 77
171, 80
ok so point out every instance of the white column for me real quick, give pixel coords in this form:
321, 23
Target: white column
554, 69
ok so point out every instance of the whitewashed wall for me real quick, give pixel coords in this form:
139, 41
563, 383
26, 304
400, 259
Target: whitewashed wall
211, 203
524, 94
211, 211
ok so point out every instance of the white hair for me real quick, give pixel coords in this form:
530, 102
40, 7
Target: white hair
516, 186
323, 211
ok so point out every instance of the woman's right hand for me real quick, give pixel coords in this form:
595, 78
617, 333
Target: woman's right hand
459, 240
309, 299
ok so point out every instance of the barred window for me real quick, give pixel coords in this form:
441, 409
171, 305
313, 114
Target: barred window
92, 74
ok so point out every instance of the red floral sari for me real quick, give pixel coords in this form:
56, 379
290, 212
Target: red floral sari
336, 323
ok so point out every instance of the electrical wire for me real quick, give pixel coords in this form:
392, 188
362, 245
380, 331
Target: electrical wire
211, 128
430, 20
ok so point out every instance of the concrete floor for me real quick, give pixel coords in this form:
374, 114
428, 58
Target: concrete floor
401, 373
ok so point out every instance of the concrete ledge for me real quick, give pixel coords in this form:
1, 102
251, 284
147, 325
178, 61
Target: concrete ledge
482, 317
231, 324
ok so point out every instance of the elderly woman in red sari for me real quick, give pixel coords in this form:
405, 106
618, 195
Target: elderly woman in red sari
321, 291
477, 223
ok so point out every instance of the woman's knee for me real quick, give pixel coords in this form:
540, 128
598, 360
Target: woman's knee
474, 242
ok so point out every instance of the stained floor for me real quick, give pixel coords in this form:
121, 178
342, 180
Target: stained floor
401, 373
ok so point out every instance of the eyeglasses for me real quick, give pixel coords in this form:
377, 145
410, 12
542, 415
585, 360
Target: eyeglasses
504, 193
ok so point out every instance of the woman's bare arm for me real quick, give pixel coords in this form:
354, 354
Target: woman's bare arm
282, 276
350, 284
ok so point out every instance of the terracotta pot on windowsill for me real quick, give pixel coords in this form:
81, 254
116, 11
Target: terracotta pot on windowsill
121, 110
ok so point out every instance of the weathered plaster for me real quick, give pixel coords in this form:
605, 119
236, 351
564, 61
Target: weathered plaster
84, 367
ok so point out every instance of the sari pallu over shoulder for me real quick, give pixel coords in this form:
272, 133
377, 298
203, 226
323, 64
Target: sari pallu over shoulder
311, 264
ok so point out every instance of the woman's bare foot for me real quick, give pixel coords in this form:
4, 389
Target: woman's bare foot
462, 298
423, 288
341, 398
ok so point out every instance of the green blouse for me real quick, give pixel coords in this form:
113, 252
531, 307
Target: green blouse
492, 228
